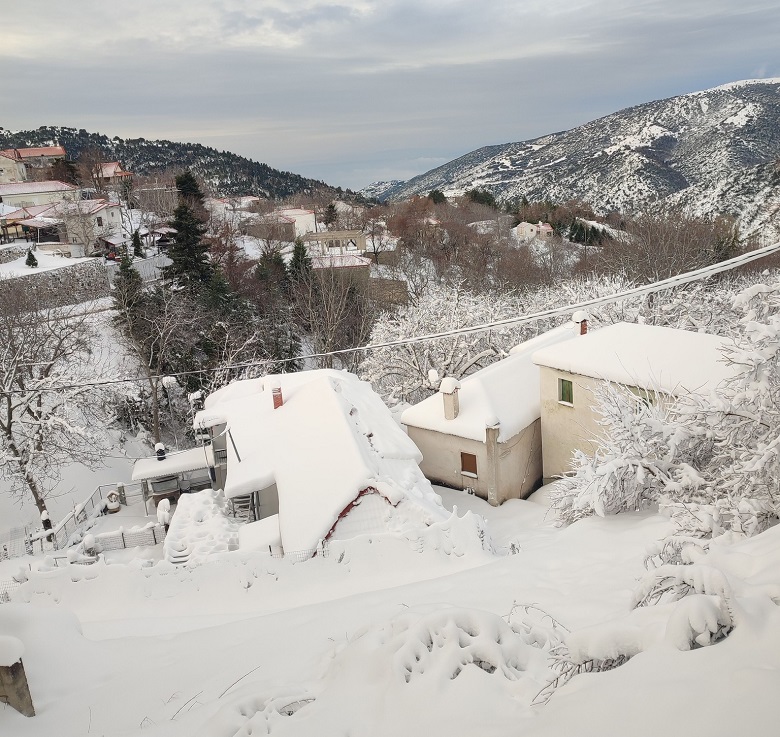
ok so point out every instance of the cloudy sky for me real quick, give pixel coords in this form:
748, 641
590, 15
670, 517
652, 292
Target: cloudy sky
353, 91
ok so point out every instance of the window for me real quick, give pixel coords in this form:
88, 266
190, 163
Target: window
565, 391
100, 222
468, 464
646, 396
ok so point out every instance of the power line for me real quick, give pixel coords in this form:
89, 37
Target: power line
659, 286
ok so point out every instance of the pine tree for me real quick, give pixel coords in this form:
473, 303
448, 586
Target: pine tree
31, 261
300, 263
128, 291
189, 252
138, 249
331, 215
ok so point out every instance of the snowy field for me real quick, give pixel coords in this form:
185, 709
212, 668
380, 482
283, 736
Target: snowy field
443, 632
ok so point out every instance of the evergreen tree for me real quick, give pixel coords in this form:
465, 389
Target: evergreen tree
31, 261
437, 197
189, 189
331, 215
482, 197
128, 291
138, 249
300, 263
188, 251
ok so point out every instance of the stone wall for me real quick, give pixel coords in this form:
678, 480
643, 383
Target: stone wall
80, 282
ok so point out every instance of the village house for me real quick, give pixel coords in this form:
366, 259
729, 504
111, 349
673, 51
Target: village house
528, 231
483, 433
643, 359
39, 157
25, 194
286, 224
112, 174
317, 455
12, 168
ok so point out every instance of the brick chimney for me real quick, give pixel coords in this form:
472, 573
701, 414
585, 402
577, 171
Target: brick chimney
581, 317
449, 391
276, 394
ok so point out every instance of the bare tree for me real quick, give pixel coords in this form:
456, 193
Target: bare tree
49, 403
331, 306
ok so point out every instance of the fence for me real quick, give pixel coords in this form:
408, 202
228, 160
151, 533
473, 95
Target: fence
150, 269
80, 514
151, 535
28, 540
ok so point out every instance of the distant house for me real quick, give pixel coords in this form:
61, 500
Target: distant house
317, 455
112, 173
483, 433
24, 194
12, 168
642, 358
528, 231
287, 223
331, 242
39, 157
83, 223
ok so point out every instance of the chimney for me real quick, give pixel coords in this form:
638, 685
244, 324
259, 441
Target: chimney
159, 450
449, 390
581, 317
276, 393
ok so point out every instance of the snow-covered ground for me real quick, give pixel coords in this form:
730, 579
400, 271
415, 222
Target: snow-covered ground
425, 634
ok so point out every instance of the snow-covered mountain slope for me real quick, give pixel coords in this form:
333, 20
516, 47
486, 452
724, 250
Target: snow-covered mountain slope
697, 143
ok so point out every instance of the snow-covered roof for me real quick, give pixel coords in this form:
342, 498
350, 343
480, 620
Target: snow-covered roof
35, 187
113, 169
331, 439
33, 152
646, 356
174, 463
505, 393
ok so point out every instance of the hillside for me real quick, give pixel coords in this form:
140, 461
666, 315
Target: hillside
693, 148
226, 173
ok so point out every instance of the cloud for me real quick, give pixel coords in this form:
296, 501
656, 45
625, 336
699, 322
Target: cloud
339, 86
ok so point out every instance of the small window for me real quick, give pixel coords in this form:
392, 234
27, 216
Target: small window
468, 464
565, 391
646, 396
100, 222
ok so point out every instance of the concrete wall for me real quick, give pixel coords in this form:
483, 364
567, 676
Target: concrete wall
29, 199
12, 171
510, 470
565, 427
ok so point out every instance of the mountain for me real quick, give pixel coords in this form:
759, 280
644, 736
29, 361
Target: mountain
693, 149
227, 174
380, 190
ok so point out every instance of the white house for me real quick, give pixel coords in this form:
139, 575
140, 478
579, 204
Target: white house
288, 223
82, 223
644, 359
320, 457
528, 231
24, 194
484, 432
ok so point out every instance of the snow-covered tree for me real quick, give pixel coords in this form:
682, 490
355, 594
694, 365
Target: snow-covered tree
411, 372
48, 400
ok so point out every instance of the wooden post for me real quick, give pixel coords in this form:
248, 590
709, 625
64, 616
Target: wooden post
14, 690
